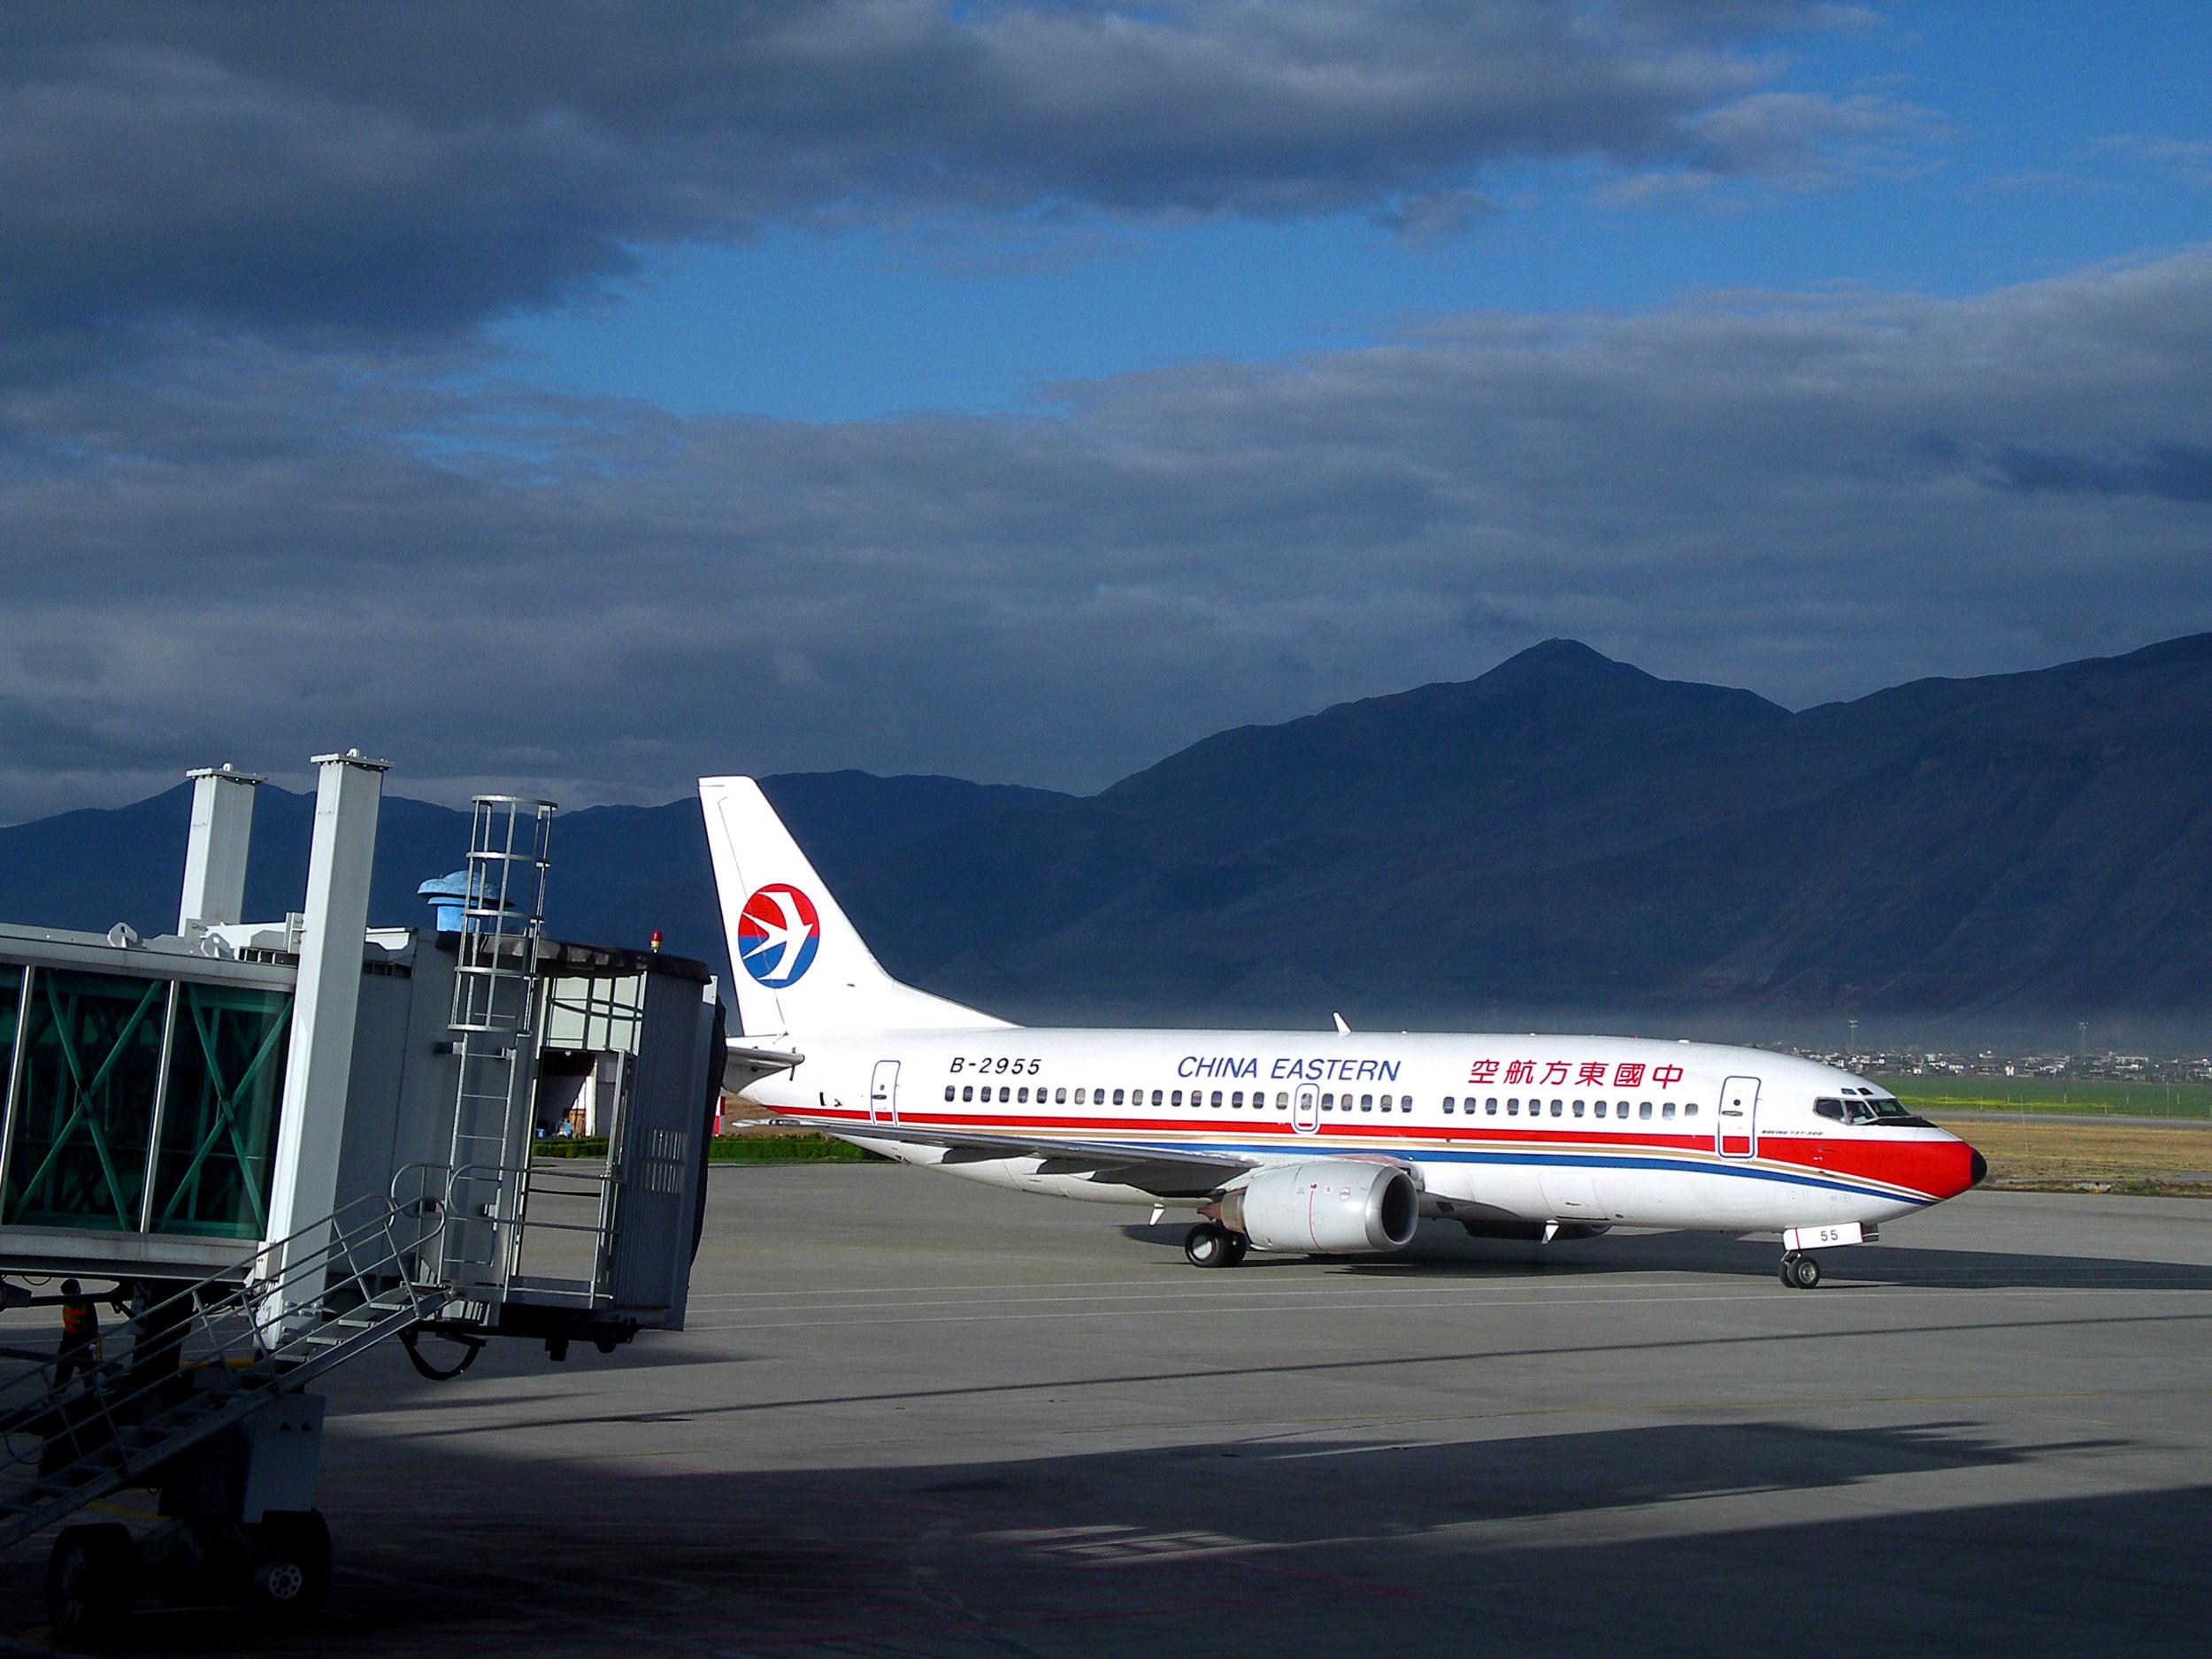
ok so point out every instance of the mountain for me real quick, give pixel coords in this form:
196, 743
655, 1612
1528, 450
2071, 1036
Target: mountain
1568, 832
618, 873
1565, 835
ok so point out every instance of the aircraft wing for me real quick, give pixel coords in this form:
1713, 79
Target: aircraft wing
1170, 1171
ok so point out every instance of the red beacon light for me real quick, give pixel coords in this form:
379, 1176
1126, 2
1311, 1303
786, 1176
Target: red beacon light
657, 939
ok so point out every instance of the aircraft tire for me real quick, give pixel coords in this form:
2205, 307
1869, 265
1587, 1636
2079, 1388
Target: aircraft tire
1804, 1273
1210, 1245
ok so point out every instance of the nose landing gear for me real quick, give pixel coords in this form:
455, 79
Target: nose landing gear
1800, 1270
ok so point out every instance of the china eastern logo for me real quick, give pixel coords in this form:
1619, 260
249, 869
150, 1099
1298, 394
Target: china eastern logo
778, 934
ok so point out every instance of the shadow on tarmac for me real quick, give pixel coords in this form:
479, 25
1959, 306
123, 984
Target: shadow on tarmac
1442, 1251
1707, 1538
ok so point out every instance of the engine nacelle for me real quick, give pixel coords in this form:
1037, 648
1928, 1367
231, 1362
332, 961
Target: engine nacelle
1329, 1206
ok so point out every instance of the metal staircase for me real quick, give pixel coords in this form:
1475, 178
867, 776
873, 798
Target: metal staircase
212, 1356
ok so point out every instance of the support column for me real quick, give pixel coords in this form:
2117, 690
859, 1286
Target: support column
215, 856
347, 795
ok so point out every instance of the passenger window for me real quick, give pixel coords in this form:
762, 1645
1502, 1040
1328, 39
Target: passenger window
947, 1090
1078, 1097
967, 1093
1176, 1099
1328, 1100
1006, 1094
1155, 1097
1022, 1093
1236, 1097
1668, 1111
1216, 1097
1690, 1110
1513, 1106
1282, 1097
1555, 1109
1367, 1102
1578, 1109
1490, 1107
1643, 1110
1059, 1097
1601, 1112
1447, 1103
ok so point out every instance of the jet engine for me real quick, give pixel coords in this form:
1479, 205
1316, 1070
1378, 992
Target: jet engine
1328, 1206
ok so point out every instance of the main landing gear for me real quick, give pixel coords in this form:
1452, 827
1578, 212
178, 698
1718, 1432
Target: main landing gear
1209, 1244
1800, 1270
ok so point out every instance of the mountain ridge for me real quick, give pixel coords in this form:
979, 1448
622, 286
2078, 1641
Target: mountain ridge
1565, 831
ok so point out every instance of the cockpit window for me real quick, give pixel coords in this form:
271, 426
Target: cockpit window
1871, 1108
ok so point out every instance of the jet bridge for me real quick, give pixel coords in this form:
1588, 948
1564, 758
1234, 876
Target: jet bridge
271, 1147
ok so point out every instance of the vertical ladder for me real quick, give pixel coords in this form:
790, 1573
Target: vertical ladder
495, 990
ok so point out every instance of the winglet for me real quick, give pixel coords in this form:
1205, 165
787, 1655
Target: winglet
1342, 1030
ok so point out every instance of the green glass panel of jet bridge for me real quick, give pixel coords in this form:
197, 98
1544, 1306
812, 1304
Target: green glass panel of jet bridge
84, 1105
213, 1170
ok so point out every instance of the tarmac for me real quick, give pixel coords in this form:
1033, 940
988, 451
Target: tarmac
914, 1417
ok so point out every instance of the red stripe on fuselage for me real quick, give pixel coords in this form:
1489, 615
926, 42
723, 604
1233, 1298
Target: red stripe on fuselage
1938, 1169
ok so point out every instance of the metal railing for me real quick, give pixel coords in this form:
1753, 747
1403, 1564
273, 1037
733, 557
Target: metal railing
486, 1227
208, 1355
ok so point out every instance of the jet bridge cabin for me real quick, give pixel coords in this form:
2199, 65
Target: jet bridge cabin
268, 1146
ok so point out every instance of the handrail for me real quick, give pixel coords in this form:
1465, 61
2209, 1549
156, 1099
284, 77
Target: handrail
506, 1181
238, 1322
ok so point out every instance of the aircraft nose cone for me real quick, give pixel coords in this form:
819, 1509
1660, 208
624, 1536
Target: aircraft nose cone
1976, 1170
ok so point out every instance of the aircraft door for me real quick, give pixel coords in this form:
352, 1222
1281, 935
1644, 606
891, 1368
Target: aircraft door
1307, 1118
1736, 1131
883, 1093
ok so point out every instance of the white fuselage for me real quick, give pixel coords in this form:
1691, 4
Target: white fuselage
1604, 1130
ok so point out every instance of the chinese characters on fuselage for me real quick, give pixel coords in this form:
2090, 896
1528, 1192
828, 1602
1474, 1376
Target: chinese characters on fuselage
1566, 1073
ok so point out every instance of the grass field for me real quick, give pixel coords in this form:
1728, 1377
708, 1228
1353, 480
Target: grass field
2038, 1094
2130, 1158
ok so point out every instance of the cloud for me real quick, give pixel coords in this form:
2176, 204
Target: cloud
1786, 142
2189, 160
399, 172
247, 554
2177, 471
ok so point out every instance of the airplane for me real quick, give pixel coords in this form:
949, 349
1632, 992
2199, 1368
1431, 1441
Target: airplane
1319, 1143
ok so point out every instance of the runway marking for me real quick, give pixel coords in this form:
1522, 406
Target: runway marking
1176, 1280
1351, 1298
1221, 1294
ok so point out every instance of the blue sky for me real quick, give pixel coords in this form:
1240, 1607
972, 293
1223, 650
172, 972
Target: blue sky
2018, 174
1025, 391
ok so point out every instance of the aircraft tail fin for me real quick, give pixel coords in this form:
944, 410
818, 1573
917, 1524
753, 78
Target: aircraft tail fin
796, 964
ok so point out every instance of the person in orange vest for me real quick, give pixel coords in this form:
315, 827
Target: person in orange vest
79, 1334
